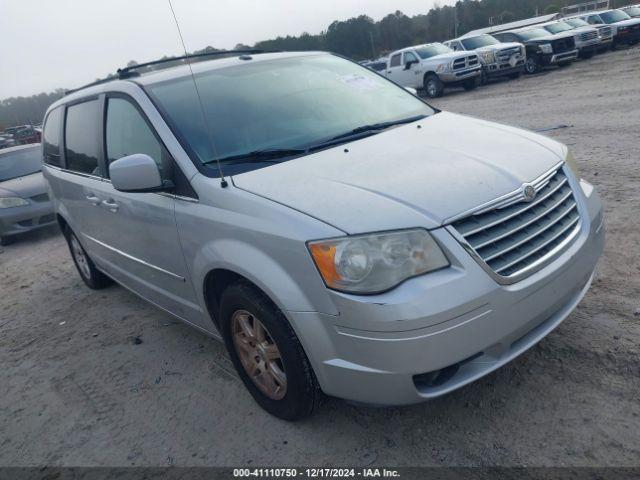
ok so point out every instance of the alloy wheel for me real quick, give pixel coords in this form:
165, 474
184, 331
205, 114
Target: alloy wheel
80, 257
259, 354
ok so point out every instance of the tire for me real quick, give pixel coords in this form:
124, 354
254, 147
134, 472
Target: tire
433, 86
484, 78
283, 385
470, 84
532, 65
587, 55
91, 276
515, 76
4, 241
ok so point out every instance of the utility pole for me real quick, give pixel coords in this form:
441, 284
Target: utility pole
455, 21
373, 48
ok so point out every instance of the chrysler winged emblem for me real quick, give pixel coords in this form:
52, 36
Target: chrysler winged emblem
528, 192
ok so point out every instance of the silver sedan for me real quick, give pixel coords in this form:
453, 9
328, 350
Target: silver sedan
24, 201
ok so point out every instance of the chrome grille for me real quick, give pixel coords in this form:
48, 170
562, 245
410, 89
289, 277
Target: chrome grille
514, 237
465, 62
585, 37
605, 32
505, 54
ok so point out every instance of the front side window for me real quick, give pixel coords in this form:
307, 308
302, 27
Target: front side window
301, 102
410, 57
51, 137
127, 133
395, 61
20, 163
80, 137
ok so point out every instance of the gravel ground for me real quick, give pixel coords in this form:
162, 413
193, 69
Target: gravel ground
77, 389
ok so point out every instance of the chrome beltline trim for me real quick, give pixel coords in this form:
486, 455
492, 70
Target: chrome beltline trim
507, 199
135, 259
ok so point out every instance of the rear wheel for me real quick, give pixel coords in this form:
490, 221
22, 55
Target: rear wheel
91, 276
532, 65
433, 86
266, 353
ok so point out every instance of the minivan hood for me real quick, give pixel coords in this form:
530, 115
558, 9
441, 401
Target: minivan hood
24, 187
408, 176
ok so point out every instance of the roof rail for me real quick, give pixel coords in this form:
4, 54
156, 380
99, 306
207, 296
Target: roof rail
130, 72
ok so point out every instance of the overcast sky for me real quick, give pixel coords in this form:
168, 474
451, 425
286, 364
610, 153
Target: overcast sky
46, 44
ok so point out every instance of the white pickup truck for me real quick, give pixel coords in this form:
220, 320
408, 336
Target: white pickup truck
433, 67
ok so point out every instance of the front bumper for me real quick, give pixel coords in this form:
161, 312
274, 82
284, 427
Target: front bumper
24, 219
629, 37
503, 69
461, 75
555, 58
438, 332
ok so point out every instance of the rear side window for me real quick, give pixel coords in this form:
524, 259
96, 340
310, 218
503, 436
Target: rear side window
127, 133
51, 137
80, 137
395, 61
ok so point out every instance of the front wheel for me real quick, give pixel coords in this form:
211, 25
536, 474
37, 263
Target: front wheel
266, 353
471, 84
433, 86
532, 65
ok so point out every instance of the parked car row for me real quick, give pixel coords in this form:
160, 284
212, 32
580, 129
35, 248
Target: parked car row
509, 50
20, 135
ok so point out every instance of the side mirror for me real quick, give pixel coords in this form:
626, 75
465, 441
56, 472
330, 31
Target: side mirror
411, 90
136, 173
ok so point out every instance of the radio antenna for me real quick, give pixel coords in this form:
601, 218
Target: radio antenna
223, 182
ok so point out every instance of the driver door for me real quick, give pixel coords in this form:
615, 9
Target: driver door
410, 77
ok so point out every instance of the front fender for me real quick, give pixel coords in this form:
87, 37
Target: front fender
295, 287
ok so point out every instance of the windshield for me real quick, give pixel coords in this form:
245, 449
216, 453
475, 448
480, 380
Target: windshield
286, 103
577, 22
20, 163
633, 11
477, 42
428, 51
533, 33
558, 27
614, 16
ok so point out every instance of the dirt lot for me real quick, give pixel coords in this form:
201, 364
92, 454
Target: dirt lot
77, 390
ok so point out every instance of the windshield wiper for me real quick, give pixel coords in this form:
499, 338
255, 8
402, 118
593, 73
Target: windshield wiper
364, 129
273, 155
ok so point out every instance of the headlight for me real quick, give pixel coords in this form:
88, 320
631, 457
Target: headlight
546, 48
443, 68
376, 262
571, 163
10, 202
489, 57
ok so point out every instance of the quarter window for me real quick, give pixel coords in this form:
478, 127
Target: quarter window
81, 146
51, 137
127, 133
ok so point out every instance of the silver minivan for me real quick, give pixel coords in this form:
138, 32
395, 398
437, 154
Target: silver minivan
338, 234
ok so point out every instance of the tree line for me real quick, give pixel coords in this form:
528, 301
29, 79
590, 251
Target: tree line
358, 38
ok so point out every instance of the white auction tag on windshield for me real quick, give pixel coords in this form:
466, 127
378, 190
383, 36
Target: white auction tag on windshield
359, 82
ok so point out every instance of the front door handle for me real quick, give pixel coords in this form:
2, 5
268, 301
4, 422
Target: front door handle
93, 199
111, 205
